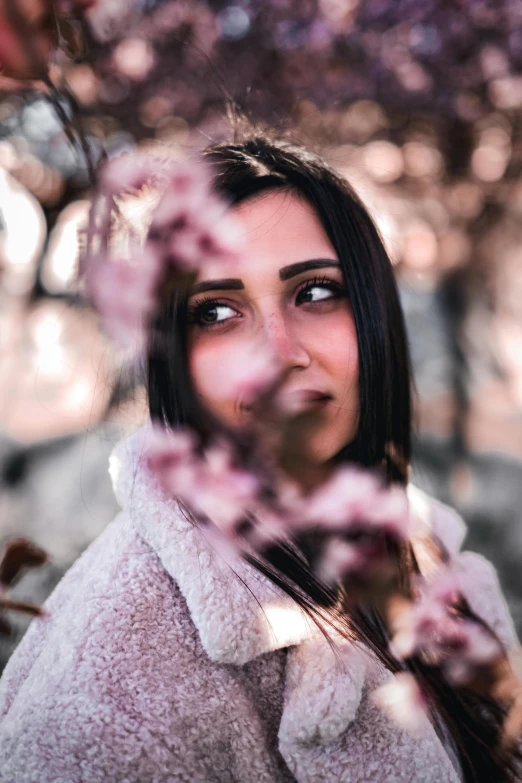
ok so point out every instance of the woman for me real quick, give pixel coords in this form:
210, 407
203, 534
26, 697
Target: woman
158, 662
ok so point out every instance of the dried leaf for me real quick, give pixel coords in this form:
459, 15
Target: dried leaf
18, 555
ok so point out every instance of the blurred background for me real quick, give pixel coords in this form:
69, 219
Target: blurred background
417, 102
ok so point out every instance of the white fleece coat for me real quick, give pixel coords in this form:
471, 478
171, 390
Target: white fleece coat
155, 663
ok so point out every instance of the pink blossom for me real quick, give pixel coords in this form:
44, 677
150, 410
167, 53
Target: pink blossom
104, 17
246, 373
445, 588
403, 701
431, 626
220, 469
214, 488
361, 560
128, 172
210, 484
190, 228
389, 511
339, 558
473, 648
430, 615
190, 225
172, 458
186, 192
269, 527
360, 521
221, 492
354, 499
422, 620
123, 292
346, 496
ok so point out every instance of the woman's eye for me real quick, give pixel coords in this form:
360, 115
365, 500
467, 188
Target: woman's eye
209, 314
318, 292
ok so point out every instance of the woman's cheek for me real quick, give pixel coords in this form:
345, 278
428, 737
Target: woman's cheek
202, 365
209, 370
333, 344
340, 359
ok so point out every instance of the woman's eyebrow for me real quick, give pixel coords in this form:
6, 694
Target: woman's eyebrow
230, 284
235, 284
303, 266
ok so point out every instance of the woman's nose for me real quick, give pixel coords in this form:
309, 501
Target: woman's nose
286, 342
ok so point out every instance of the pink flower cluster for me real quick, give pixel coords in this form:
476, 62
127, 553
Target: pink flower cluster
363, 521
211, 484
404, 702
250, 373
190, 228
123, 291
353, 496
433, 628
357, 517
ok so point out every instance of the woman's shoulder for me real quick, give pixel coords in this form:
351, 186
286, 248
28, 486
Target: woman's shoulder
478, 576
115, 593
105, 670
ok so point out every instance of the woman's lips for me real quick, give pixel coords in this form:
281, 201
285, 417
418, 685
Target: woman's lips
303, 399
299, 400
306, 394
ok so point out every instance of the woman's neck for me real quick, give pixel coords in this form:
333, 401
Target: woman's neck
307, 475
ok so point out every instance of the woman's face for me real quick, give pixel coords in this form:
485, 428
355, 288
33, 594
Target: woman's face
288, 290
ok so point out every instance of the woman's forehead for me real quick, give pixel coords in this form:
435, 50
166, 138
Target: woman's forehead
271, 215
278, 229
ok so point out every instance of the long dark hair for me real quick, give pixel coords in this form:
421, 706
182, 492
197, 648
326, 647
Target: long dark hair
260, 161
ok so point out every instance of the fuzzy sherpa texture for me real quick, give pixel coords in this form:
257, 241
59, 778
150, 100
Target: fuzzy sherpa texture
157, 662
